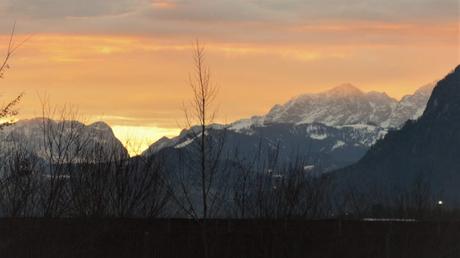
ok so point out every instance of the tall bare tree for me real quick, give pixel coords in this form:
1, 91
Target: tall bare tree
198, 186
199, 117
204, 92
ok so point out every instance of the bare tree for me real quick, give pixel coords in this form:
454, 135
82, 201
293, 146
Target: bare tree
62, 146
204, 160
138, 188
9, 110
198, 186
415, 200
18, 182
115, 186
204, 93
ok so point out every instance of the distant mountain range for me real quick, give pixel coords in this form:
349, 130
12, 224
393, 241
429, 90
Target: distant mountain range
329, 129
425, 150
49, 140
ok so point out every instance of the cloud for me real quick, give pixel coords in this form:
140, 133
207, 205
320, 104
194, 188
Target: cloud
280, 22
206, 11
282, 11
279, 11
394, 10
67, 8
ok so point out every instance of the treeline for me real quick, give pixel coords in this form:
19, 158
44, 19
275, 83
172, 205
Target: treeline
67, 175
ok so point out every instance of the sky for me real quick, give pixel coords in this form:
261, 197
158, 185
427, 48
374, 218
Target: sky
127, 62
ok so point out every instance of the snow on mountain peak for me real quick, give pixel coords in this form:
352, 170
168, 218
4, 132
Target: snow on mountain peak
410, 107
343, 105
348, 105
33, 133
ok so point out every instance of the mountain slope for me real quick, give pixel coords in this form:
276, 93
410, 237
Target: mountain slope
427, 148
342, 105
410, 107
313, 144
50, 140
347, 105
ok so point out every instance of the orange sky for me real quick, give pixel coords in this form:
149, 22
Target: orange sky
131, 70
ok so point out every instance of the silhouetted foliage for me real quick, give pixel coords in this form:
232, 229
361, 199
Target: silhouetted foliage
8, 111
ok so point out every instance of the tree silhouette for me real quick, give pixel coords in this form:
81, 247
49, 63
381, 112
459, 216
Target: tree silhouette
8, 111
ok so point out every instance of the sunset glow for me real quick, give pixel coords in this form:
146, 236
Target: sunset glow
128, 61
139, 138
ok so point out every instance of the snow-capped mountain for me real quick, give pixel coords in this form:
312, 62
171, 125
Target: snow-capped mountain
62, 141
410, 107
346, 105
336, 126
342, 105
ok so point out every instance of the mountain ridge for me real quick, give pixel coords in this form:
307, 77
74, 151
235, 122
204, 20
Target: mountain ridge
347, 105
424, 148
341, 142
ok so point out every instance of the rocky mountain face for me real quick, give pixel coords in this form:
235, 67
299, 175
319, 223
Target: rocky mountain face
61, 141
343, 105
424, 149
331, 129
410, 107
347, 105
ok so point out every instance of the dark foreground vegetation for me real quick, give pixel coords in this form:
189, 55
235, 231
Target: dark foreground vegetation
227, 238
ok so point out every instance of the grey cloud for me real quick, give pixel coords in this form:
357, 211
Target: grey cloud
207, 10
292, 10
227, 20
390, 10
67, 8
241, 10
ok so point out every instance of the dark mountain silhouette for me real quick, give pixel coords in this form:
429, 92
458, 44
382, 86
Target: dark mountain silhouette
428, 148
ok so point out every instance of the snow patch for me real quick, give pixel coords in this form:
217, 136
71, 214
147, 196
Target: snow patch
318, 136
246, 125
338, 144
308, 167
184, 144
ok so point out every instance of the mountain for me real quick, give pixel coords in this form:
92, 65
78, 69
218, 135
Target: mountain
348, 105
410, 107
426, 148
342, 105
331, 129
49, 140
314, 144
